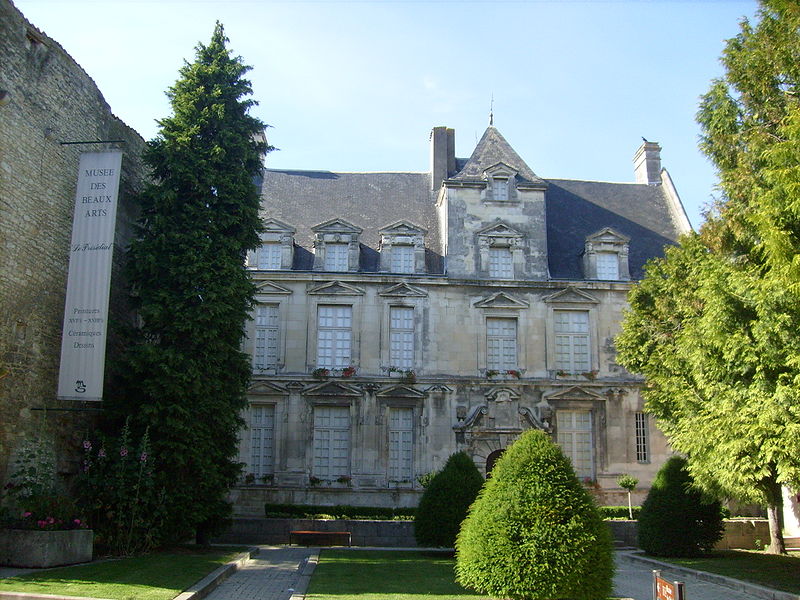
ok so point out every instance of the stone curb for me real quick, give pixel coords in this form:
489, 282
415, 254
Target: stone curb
306, 571
210, 582
755, 590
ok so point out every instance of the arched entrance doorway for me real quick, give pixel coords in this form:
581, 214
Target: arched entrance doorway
492, 459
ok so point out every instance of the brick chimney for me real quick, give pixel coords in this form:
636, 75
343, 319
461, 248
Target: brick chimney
647, 163
443, 155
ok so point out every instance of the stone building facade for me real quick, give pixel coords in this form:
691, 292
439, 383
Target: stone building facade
402, 317
47, 102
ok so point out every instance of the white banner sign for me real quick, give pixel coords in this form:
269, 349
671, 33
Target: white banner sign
83, 342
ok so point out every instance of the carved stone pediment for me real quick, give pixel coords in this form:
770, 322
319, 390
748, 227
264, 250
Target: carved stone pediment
264, 388
608, 235
403, 290
400, 391
574, 393
276, 226
333, 388
403, 228
336, 226
335, 288
269, 288
571, 295
501, 300
499, 229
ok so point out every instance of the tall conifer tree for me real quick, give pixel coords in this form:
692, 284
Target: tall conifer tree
714, 325
186, 374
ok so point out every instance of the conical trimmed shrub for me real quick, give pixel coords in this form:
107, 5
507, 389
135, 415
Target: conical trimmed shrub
534, 532
445, 502
676, 519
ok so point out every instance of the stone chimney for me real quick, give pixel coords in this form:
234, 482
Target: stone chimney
443, 155
647, 163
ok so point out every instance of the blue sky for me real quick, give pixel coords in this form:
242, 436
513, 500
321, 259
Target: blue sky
357, 86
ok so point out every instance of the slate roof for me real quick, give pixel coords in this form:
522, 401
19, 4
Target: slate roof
575, 209
491, 150
371, 201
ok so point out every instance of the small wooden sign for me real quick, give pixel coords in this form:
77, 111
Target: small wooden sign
666, 590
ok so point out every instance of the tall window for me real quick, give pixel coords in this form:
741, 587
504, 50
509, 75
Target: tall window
501, 344
571, 329
336, 257
642, 442
500, 189
402, 259
401, 426
331, 442
262, 430
265, 355
575, 438
607, 265
269, 256
501, 263
334, 334
401, 337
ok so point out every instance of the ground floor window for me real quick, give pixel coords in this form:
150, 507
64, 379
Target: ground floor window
262, 440
642, 443
575, 438
401, 426
331, 442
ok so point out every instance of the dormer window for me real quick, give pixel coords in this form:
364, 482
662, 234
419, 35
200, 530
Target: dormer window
500, 251
500, 180
276, 250
607, 265
402, 248
605, 256
336, 246
499, 189
336, 257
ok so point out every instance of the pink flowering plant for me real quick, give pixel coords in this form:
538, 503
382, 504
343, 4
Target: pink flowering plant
31, 498
117, 489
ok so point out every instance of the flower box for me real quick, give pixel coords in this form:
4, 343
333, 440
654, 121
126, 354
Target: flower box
35, 548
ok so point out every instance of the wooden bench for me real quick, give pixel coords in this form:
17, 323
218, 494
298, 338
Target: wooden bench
320, 538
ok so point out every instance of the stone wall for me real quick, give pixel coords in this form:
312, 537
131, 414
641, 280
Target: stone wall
46, 99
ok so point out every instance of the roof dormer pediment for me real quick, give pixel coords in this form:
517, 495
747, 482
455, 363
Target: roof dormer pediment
335, 288
403, 228
336, 226
609, 235
276, 226
500, 169
499, 229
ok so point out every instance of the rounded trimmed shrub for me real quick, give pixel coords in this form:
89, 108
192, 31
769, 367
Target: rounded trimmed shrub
676, 519
534, 532
446, 500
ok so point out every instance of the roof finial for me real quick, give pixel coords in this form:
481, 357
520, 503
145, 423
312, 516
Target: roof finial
491, 112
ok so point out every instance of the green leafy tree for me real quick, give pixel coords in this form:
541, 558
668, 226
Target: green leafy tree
534, 532
186, 375
676, 518
446, 500
628, 483
713, 326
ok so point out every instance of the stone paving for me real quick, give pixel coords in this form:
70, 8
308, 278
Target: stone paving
275, 573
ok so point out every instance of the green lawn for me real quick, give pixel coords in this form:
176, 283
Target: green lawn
157, 576
385, 575
778, 572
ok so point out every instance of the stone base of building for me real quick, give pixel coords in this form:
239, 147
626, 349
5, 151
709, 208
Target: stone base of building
249, 501
35, 549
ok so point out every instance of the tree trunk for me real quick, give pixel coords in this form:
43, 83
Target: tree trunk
630, 507
775, 515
